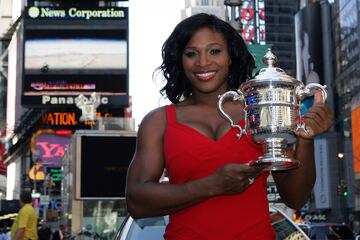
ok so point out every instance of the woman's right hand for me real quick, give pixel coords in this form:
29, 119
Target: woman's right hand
234, 178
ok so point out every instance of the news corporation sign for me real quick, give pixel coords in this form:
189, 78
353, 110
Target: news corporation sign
75, 13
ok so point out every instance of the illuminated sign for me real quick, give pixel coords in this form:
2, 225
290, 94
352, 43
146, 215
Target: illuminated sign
50, 101
50, 12
55, 174
50, 147
66, 100
67, 118
76, 51
61, 86
253, 21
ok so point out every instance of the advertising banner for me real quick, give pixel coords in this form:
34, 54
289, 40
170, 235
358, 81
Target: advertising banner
309, 54
253, 21
72, 51
49, 147
322, 185
355, 120
102, 158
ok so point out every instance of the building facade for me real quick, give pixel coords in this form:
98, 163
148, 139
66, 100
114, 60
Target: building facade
280, 31
345, 15
214, 7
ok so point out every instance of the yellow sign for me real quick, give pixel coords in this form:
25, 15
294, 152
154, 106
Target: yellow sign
36, 172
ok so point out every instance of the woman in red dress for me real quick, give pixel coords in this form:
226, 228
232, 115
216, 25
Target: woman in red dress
213, 191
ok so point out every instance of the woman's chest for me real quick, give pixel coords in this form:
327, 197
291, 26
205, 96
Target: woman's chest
192, 155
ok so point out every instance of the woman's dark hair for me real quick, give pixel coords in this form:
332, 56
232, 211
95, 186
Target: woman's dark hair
177, 84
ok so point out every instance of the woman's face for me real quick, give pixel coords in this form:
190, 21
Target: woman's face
206, 61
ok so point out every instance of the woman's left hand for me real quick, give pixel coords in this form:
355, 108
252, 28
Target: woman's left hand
318, 119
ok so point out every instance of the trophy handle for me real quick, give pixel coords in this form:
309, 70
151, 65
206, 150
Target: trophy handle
303, 92
235, 96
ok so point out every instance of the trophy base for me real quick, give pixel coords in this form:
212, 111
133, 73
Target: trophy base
278, 163
275, 155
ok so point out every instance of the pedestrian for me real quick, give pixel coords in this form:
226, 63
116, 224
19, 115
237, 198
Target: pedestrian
213, 192
60, 233
25, 223
44, 231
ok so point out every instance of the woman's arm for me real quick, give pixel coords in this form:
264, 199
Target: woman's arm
145, 196
295, 185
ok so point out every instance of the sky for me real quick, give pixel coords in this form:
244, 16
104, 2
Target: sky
150, 23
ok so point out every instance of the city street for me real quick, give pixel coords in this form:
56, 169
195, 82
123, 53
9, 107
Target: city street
77, 80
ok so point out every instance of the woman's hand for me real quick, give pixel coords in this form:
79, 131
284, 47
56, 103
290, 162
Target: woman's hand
318, 119
234, 178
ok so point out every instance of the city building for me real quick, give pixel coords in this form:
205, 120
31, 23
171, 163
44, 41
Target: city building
64, 68
215, 7
280, 32
330, 49
345, 27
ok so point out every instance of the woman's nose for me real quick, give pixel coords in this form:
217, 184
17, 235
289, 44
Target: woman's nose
203, 59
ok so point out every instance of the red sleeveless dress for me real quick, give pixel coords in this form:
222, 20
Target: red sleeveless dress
190, 155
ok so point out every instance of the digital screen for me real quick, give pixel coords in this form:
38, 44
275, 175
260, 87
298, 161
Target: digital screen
72, 53
10, 206
104, 164
38, 85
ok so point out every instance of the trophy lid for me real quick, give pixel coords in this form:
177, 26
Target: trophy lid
271, 73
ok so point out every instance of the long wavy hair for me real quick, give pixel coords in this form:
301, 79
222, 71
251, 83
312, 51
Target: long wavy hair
177, 85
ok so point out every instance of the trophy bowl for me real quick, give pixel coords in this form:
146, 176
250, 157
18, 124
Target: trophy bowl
272, 112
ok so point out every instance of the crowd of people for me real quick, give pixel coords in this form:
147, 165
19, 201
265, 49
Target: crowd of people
46, 233
26, 224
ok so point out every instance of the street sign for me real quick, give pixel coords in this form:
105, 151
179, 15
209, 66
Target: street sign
44, 199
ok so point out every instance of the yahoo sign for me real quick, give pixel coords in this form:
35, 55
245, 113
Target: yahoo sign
51, 148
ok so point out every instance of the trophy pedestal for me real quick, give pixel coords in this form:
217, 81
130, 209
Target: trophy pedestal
275, 155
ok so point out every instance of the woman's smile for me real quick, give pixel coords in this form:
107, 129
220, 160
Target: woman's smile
204, 76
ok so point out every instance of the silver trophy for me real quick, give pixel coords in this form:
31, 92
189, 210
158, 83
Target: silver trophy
272, 112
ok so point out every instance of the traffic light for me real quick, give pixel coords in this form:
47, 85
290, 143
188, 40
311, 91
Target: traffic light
345, 190
342, 190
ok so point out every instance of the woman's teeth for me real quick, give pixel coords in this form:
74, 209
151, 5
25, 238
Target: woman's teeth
205, 76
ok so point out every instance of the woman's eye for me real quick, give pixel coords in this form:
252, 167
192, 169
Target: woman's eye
189, 54
215, 51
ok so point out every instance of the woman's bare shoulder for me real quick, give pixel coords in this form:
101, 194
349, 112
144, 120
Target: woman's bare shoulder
155, 119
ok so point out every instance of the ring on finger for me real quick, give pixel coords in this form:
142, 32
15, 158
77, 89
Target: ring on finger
251, 180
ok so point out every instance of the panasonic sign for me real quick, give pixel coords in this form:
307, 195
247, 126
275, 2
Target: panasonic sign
75, 13
55, 100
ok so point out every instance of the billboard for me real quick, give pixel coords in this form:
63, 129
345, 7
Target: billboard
355, 121
101, 159
75, 53
71, 119
69, 51
322, 189
309, 54
252, 15
50, 147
